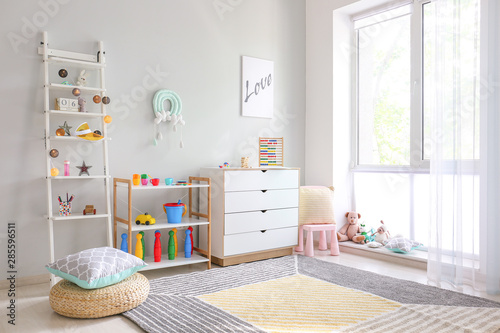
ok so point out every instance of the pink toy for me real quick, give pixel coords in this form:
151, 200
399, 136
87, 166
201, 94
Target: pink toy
350, 230
322, 228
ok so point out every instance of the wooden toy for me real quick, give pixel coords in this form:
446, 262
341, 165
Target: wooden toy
191, 236
175, 240
171, 246
157, 248
187, 244
89, 209
138, 246
66, 104
143, 244
124, 244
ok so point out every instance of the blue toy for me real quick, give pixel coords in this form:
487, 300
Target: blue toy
124, 244
187, 244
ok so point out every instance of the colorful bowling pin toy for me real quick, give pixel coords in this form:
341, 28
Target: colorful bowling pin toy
124, 244
175, 240
171, 246
138, 247
143, 245
157, 248
187, 244
191, 236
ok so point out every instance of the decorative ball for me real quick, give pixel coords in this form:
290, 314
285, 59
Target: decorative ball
97, 132
60, 132
54, 153
97, 99
54, 172
63, 72
106, 100
76, 92
108, 119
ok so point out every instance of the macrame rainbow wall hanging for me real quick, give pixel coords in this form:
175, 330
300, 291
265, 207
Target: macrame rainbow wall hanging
174, 115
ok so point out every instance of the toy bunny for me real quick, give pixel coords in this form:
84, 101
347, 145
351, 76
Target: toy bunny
381, 236
82, 78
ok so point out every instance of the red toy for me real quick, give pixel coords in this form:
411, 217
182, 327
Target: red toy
157, 248
191, 236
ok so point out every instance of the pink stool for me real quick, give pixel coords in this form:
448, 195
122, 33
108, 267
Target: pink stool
334, 244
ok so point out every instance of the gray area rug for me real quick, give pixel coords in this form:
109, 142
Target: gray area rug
174, 303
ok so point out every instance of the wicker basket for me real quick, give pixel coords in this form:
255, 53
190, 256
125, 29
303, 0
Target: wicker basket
69, 300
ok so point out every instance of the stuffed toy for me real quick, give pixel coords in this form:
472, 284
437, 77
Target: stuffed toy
381, 236
350, 230
367, 237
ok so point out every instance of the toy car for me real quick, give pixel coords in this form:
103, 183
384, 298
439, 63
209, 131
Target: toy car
89, 209
145, 219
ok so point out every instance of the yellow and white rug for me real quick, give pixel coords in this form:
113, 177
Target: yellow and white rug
301, 294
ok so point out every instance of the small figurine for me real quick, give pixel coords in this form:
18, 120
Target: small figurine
81, 103
138, 246
124, 244
175, 240
187, 244
191, 236
157, 248
171, 246
143, 245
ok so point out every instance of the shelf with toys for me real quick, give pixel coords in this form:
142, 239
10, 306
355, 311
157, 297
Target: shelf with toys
70, 79
192, 219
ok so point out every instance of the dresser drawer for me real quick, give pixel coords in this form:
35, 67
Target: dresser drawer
260, 241
236, 223
236, 202
248, 180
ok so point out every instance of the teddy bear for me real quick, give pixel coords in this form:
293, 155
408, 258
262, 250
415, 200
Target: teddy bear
350, 230
382, 235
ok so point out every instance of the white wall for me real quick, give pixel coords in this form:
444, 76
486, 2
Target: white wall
328, 103
194, 49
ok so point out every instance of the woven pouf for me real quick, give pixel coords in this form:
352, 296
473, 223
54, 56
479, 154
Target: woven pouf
69, 300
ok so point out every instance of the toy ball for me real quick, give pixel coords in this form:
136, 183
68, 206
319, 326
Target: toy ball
97, 99
108, 119
54, 172
106, 100
97, 132
54, 153
76, 92
63, 72
60, 132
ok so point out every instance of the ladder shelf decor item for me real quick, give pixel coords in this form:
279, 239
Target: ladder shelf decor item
66, 102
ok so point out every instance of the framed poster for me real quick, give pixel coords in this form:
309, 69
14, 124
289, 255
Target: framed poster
257, 87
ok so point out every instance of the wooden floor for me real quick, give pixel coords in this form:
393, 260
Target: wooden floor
33, 312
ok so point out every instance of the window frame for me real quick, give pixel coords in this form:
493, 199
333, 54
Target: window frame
417, 162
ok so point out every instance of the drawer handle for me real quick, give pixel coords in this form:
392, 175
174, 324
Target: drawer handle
264, 191
263, 170
264, 210
263, 231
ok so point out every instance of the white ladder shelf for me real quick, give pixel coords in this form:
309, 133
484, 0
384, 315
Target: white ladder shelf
88, 62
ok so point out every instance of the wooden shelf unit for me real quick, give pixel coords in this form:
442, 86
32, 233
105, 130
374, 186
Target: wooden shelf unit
193, 219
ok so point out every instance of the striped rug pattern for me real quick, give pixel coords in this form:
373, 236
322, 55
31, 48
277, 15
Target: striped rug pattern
299, 303
432, 319
302, 294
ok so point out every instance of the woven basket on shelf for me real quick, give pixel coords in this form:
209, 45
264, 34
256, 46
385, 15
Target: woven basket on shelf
69, 300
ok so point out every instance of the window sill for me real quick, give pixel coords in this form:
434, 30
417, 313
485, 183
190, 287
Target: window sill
416, 259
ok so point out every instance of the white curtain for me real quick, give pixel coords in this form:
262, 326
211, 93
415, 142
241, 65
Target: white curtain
464, 240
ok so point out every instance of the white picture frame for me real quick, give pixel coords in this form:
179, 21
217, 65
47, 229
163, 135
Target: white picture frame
257, 87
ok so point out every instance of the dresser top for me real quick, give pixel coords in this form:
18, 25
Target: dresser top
256, 168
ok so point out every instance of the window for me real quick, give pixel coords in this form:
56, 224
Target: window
394, 85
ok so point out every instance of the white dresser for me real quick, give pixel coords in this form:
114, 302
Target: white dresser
254, 213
